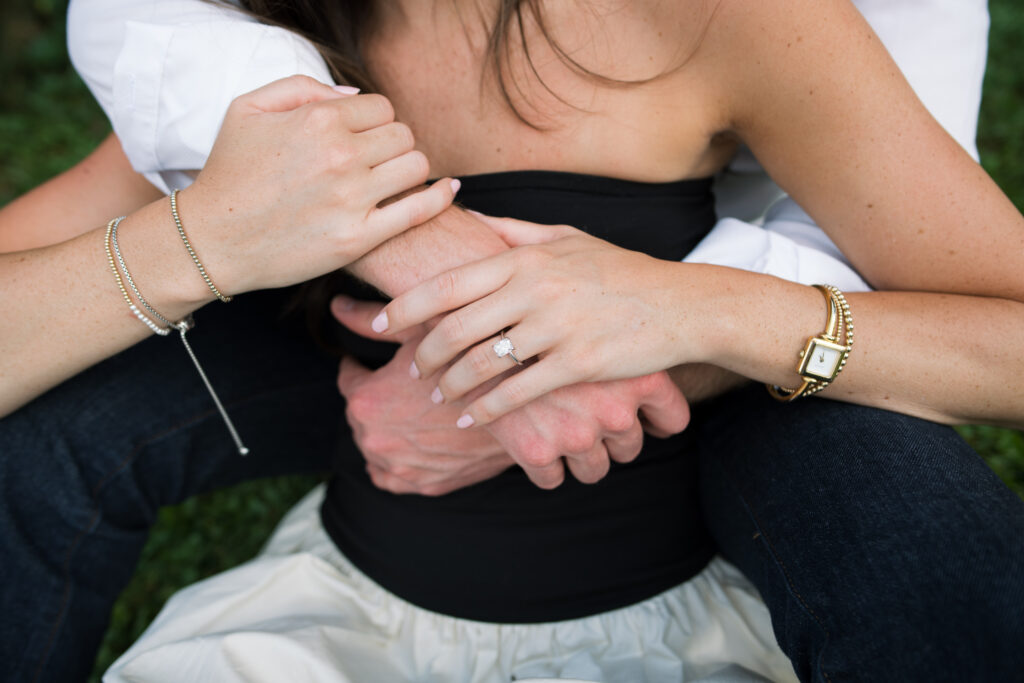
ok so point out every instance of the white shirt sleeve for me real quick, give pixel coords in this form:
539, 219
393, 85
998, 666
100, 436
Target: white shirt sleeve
165, 71
941, 47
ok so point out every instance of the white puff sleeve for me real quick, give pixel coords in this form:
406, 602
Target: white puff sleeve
165, 71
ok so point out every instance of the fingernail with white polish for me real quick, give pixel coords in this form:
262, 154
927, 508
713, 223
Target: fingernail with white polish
436, 396
414, 371
380, 323
456, 184
345, 89
465, 421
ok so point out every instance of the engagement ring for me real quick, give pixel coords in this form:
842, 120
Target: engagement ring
503, 347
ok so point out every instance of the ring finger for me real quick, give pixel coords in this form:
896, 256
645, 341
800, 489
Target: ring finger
489, 359
461, 329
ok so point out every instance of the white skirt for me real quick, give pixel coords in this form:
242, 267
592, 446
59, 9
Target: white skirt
301, 612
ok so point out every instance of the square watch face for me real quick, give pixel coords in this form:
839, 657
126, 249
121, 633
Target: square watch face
822, 359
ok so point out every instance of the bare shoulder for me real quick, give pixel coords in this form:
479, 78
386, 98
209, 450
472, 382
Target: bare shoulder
773, 49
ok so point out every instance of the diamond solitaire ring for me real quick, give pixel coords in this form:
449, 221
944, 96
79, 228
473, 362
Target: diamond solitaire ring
503, 347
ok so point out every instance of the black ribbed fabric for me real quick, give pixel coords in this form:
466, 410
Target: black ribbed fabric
504, 550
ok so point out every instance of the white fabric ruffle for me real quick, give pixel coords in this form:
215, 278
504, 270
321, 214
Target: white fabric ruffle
301, 612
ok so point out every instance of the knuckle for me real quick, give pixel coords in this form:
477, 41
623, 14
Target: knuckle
418, 165
577, 440
479, 360
376, 445
405, 472
446, 285
403, 135
618, 419
321, 117
304, 81
382, 106
538, 457
339, 157
452, 330
361, 408
513, 392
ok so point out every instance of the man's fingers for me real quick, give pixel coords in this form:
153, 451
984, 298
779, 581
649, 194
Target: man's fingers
516, 391
350, 375
665, 410
358, 315
625, 446
386, 481
591, 467
547, 476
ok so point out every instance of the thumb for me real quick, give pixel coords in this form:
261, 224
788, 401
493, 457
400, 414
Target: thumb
358, 316
350, 376
290, 93
517, 233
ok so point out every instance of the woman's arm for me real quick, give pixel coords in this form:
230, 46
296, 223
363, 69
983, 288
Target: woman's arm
839, 129
98, 187
823, 106
289, 193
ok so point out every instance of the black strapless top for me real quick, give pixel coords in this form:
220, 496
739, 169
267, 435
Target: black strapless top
504, 550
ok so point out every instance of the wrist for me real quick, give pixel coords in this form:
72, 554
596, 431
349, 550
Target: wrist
708, 320
165, 271
453, 238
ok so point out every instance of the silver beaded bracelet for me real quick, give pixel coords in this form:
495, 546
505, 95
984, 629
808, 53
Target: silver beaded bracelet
182, 326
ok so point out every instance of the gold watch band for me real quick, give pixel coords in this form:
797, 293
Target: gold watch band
839, 317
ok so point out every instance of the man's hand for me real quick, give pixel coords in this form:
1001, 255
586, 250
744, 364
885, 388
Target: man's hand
590, 425
412, 445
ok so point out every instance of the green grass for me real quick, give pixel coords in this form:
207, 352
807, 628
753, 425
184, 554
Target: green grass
48, 122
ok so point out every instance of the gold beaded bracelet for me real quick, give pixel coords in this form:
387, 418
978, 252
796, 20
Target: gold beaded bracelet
191, 251
825, 355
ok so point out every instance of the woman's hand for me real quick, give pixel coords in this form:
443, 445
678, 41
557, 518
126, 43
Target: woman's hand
292, 187
586, 309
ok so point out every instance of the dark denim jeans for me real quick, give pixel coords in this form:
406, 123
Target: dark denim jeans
85, 468
885, 548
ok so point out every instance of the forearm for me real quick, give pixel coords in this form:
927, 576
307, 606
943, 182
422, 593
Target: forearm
63, 308
452, 239
96, 189
943, 357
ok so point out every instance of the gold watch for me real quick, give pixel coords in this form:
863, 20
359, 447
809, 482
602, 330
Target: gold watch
824, 357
